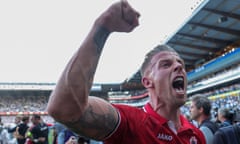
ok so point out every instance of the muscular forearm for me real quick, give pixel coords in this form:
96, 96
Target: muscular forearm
75, 83
80, 72
70, 102
81, 69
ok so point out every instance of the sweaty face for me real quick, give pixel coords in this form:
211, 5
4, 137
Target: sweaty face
168, 75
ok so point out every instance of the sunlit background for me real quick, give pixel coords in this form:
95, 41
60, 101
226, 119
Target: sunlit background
39, 37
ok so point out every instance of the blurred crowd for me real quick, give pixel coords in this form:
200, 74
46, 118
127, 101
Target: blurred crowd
231, 103
35, 129
23, 103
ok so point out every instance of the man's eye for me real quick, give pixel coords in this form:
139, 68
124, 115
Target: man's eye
165, 65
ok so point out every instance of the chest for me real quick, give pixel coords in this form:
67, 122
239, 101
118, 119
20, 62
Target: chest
152, 131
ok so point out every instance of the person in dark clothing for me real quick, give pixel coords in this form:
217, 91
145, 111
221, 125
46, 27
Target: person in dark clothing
39, 131
21, 130
200, 111
225, 117
227, 135
17, 121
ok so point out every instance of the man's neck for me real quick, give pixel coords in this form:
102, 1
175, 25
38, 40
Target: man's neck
202, 119
168, 113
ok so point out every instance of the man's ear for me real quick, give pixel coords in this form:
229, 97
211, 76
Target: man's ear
146, 82
201, 109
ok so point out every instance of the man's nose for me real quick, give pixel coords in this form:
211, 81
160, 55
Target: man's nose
178, 66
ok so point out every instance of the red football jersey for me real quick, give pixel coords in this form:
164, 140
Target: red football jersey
145, 126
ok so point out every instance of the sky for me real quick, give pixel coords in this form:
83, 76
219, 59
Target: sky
37, 38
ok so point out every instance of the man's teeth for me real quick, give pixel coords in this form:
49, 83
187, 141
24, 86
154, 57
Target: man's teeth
178, 79
179, 90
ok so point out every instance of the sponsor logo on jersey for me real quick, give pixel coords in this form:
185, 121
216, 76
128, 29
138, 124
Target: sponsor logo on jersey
165, 137
193, 140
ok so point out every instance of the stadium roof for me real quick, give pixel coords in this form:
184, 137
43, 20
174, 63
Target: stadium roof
213, 29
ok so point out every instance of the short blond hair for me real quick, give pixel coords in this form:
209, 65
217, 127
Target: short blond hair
153, 52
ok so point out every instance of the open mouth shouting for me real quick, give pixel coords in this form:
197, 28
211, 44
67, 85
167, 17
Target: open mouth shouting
178, 84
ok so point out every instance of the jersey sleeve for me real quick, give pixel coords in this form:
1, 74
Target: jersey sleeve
127, 123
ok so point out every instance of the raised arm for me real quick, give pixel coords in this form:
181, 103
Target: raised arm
70, 102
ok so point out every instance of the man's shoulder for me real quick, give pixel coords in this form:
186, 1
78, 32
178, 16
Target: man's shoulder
126, 108
35, 128
229, 134
229, 129
22, 125
210, 125
206, 131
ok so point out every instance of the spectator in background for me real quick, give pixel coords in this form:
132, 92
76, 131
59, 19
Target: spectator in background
39, 131
4, 135
12, 129
163, 75
60, 129
236, 118
21, 129
200, 110
228, 134
225, 117
52, 138
1, 123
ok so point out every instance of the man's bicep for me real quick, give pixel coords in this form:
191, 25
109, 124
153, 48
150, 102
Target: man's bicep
99, 119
